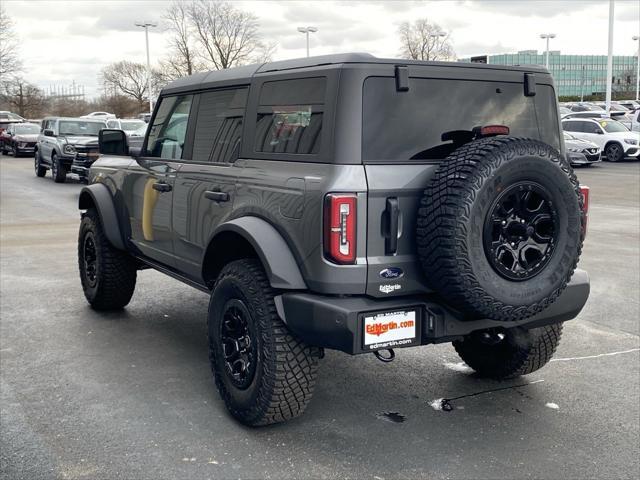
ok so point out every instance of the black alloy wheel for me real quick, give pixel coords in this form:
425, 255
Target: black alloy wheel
614, 152
520, 231
90, 258
238, 344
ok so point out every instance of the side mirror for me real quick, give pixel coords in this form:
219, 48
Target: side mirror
112, 142
600, 132
49, 133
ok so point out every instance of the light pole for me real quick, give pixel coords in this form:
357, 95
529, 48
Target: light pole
636, 38
435, 36
146, 26
307, 30
547, 36
609, 59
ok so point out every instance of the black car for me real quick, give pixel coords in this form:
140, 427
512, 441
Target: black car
340, 202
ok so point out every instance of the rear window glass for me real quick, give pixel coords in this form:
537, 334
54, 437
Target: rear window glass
403, 126
290, 116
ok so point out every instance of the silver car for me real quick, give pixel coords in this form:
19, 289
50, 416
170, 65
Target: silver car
67, 144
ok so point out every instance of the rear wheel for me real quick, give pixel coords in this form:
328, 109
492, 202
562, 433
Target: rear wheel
40, 170
264, 374
509, 353
58, 172
108, 275
614, 152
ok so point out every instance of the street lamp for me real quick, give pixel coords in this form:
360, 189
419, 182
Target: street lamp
306, 31
547, 36
435, 36
636, 38
146, 26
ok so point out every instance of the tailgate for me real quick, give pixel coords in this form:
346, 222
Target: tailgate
393, 199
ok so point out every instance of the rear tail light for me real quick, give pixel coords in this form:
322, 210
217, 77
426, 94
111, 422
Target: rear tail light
584, 191
490, 130
340, 227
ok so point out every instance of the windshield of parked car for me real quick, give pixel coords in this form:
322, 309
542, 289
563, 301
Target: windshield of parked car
131, 125
611, 126
422, 123
26, 128
79, 128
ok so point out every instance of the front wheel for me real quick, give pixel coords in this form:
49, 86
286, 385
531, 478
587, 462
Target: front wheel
108, 275
503, 354
40, 170
264, 374
614, 152
58, 172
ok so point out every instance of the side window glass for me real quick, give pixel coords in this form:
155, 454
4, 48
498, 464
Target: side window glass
112, 124
167, 134
219, 125
290, 116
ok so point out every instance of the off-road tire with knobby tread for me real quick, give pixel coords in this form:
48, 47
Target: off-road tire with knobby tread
519, 353
451, 219
286, 367
116, 270
58, 171
40, 170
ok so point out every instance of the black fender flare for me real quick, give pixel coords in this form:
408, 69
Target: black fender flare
273, 251
98, 195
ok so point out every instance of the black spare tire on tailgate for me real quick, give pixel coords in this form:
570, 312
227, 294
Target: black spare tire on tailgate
499, 228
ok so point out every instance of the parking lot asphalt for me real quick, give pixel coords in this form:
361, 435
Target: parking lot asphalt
129, 394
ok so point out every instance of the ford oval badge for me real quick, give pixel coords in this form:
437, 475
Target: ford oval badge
391, 272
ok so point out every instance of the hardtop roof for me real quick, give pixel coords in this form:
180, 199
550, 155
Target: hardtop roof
239, 75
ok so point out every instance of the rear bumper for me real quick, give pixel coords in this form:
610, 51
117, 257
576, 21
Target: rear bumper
337, 322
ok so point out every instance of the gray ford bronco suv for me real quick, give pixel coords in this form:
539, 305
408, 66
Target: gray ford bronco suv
351, 203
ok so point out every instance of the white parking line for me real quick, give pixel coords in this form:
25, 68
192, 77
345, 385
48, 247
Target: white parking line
595, 356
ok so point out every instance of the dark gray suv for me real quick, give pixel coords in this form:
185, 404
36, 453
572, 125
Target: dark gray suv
341, 202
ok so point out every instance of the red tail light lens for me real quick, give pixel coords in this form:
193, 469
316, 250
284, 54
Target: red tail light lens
584, 190
490, 130
340, 227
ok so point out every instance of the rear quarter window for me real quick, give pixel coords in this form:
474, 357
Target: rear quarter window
290, 116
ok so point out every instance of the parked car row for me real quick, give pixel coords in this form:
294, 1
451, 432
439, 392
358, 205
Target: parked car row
592, 134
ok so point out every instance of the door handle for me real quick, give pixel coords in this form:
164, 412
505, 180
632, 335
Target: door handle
162, 187
216, 196
390, 226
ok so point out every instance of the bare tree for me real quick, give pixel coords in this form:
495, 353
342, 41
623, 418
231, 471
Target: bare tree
10, 62
227, 36
425, 41
181, 59
22, 97
129, 79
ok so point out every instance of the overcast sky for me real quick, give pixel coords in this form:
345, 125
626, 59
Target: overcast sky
72, 40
